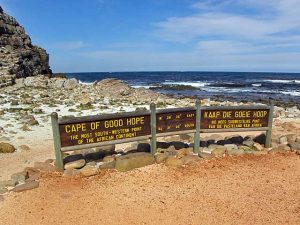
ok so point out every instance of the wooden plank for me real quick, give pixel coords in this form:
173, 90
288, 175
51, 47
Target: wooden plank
268, 143
198, 123
176, 121
235, 107
56, 138
79, 147
234, 118
176, 133
104, 130
71, 120
233, 130
153, 128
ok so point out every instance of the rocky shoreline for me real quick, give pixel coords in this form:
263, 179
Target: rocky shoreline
25, 127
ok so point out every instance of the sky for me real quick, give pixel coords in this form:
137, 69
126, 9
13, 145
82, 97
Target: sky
164, 35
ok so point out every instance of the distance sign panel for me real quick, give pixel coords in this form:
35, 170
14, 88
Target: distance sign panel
104, 130
175, 121
234, 119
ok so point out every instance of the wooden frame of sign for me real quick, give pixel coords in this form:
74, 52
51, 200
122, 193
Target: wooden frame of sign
75, 133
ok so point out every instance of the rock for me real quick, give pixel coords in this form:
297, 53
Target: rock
8, 183
258, 147
26, 186
183, 152
88, 171
134, 160
283, 140
203, 144
3, 190
19, 58
235, 152
173, 162
71, 172
70, 84
224, 142
261, 139
214, 146
143, 147
236, 139
163, 145
109, 158
295, 146
190, 159
218, 153
231, 146
6, 148
178, 145
42, 166
77, 164
107, 165
248, 142
24, 147
160, 157
298, 152
33, 173
20, 177
204, 155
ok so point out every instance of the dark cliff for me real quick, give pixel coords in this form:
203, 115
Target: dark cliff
18, 56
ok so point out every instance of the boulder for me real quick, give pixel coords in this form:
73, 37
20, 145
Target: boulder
236, 139
160, 157
183, 152
107, 165
295, 146
3, 190
6, 148
235, 152
134, 160
190, 159
173, 162
71, 84
20, 177
218, 152
261, 139
179, 145
77, 164
89, 170
204, 155
258, 147
26, 186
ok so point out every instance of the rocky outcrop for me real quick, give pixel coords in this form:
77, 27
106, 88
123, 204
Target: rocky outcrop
18, 57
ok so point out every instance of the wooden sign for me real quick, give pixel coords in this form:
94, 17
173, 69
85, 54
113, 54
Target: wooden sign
175, 121
234, 118
94, 131
103, 130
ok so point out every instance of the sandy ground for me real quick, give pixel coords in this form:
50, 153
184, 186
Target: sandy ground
243, 190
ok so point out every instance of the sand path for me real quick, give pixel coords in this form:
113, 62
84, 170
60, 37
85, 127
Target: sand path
244, 190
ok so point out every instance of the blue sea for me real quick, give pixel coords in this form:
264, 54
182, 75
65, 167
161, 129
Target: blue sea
237, 86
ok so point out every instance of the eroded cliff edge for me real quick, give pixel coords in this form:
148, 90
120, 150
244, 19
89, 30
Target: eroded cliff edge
18, 56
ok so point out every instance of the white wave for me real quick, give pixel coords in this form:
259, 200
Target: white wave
85, 83
292, 93
141, 86
282, 81
196, 84
256, 85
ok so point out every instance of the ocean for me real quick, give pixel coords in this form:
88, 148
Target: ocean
283, 88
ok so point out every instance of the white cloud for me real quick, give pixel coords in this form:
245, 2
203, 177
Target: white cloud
217, 20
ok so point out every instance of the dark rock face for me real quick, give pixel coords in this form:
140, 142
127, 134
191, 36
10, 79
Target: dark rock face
18, 57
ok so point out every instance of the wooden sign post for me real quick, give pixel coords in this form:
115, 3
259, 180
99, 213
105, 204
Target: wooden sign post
94, 131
